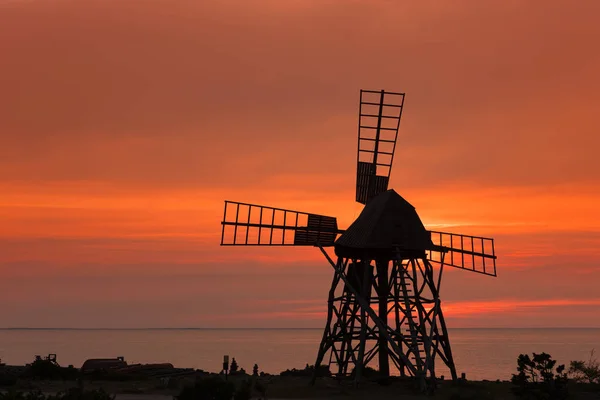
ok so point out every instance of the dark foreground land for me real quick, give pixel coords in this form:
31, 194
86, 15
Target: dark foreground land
299, 388
164, 382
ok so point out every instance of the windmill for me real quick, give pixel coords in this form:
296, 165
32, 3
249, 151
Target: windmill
384, 299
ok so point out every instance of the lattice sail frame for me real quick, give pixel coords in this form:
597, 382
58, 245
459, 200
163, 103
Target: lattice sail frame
379, 117
246, 224
471, 253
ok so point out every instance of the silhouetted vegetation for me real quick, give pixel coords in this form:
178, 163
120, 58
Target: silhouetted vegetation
537, 380
244, 391
233, 368
210, 388
80, 394
322, 371
9, 377
367, 372
71, 394
50, 370
261, 388
585, 371
538, 377
478, 394
216, 388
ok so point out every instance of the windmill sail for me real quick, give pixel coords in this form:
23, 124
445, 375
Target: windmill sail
471, 253
378, 122
247, 224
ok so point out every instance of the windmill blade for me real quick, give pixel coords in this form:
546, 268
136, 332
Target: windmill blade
379, 117
471, 253
247, 224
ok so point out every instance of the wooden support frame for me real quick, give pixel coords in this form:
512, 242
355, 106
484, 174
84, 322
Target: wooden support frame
413, 339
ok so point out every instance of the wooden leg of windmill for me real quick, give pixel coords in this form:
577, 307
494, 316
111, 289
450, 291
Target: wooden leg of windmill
426, 301
383, 293
398, 314
365, 294
349, 356
346, 319
439, 323
445, 343
416, 321
327, 333
344, 327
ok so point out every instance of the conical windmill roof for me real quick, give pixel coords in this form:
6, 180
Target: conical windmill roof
387, 221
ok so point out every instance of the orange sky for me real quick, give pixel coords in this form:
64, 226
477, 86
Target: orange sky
124, 125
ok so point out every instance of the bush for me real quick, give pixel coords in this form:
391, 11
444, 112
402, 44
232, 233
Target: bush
233, 368
71, 394
585, 372
211, 388
80, 394
537, 380
367, 372
12, 395
476, 395
46, 369
244, 392
261, 388
322, 371
7, 380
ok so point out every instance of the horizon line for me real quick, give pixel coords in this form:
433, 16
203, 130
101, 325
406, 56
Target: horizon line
253, 328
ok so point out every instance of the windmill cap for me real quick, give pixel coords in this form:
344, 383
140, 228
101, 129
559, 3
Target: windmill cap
387, 222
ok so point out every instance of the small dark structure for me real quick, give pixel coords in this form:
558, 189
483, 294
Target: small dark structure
103, 364
384, 299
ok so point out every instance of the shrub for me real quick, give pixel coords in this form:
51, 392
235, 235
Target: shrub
244, 391
322, 371
588, 372
80, 394
46, 369
367, 372
211, 388
476, 395
537, 380
12, 395
7, 380
261, 388
71, 394
233, 368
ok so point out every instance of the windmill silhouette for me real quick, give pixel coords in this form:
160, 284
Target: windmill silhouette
384, 298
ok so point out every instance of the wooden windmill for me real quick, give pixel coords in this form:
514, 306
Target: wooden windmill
384, 299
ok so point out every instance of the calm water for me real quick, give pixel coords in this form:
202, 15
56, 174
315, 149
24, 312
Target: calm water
481, 353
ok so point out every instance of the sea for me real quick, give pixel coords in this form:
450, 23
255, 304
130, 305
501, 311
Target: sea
482, 354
